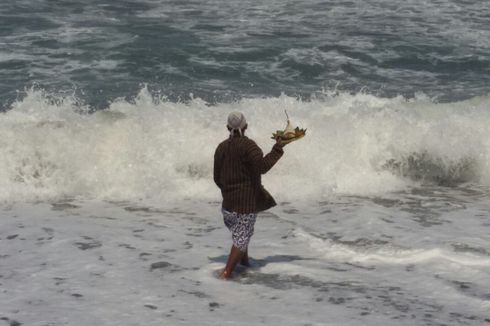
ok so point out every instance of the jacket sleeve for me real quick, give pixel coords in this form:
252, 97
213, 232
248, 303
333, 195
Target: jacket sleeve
217, 167
260, 163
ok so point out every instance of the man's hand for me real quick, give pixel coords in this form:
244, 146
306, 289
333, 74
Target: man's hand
280, 142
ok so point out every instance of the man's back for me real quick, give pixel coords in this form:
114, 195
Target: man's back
238, 165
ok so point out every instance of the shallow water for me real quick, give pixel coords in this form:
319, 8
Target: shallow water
419, 257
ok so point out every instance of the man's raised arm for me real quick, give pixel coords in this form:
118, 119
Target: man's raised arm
260, 163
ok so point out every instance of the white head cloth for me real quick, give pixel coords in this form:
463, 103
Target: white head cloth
236, 121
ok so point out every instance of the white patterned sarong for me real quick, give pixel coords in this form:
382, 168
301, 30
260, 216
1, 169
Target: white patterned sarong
241, 227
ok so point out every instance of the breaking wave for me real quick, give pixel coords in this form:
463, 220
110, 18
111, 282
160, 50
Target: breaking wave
153, 148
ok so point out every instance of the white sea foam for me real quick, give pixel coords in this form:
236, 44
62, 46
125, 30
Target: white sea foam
387, 255
152, 148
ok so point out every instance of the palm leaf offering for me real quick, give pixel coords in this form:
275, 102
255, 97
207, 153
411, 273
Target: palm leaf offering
289, 134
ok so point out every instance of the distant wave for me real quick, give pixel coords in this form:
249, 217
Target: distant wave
52, 147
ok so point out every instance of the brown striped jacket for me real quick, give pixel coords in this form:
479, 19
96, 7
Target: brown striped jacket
238, 166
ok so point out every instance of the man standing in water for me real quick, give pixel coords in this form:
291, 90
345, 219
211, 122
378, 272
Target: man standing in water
238, 166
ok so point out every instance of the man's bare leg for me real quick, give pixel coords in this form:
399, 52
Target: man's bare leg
244, 261
233, 259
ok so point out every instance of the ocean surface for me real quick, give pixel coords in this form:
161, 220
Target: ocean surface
110, 112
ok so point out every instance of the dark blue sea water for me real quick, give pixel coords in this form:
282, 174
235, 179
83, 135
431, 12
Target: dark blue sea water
222, 50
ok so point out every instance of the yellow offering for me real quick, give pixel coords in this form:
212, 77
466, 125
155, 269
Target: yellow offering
289, 134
